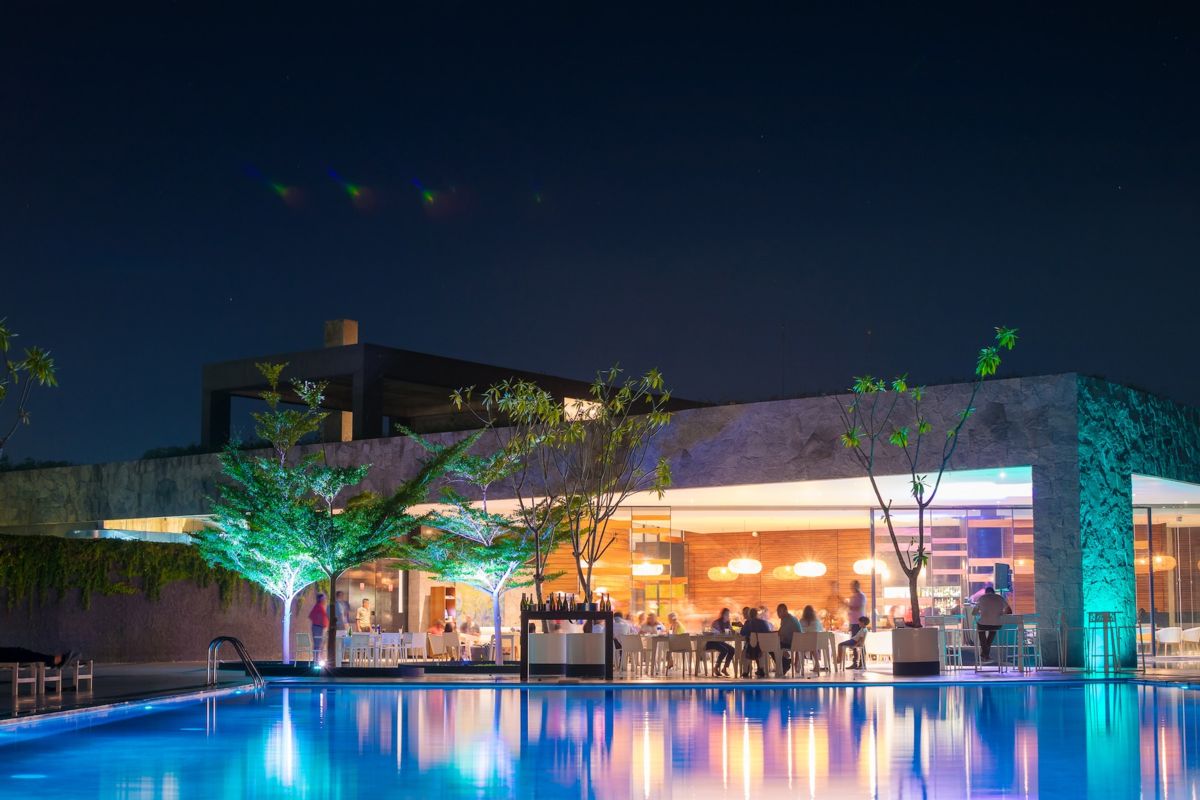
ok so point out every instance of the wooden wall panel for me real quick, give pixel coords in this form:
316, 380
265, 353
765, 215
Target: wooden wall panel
837, 549
612, 571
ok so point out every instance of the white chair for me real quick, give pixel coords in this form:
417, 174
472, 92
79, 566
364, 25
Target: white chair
1191, 639
303, 649
632, 653
681, 645
360, 651
414, 646
804, 645
772, 653
81, 673
1168, 637
53, 675
24, 675
389, 648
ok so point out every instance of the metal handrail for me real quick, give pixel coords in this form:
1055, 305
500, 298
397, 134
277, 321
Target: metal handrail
214, 661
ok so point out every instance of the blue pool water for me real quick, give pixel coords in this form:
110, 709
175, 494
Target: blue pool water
1094, 740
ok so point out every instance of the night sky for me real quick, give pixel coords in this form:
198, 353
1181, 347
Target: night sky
756, 204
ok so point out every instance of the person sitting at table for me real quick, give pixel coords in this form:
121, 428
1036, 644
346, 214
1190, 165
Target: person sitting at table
468, 626
752, 625
436, 629
722, 625
651, 626
788, 625
745, 615
641, 619
448, 627
809, 621
674, 626
855, 644
622, 626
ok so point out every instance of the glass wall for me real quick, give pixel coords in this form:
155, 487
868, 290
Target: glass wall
969, 549
381, 583
1166, 568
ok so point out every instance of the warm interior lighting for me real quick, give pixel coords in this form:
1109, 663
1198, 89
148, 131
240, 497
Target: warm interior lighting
865, 566
1161, 563
1023, 566
784, 573
745, 566
722, 574
809, 569
601, 590
647, 570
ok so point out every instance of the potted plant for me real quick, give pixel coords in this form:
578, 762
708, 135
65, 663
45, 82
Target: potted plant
882, 414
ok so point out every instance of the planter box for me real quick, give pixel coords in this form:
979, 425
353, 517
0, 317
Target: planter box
916, 651
585, 655
547, 654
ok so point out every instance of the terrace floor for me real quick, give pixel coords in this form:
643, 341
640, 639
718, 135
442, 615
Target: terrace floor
121, 683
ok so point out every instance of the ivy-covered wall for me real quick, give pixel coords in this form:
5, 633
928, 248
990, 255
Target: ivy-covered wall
128, 601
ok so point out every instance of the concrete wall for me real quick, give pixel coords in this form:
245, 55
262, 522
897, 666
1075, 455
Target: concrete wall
176, 627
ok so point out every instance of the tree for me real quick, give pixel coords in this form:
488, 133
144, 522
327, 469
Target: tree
369, 526
599, 458
489, 551
526, 422
267, 501
890, 414
19, 377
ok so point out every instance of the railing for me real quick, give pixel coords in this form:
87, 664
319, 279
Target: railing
214, 661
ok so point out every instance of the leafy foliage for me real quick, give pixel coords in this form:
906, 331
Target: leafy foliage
21, 374
36, 569
891, 413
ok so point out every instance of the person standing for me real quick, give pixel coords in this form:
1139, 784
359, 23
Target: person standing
990, 608
341, 610
856, 606
319, 618
362, 620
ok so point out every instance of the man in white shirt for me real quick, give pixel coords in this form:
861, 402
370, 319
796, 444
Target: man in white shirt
990, 608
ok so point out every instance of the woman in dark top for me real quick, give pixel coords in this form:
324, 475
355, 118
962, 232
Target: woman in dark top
723, 649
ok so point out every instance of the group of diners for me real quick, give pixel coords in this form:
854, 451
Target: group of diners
756, 620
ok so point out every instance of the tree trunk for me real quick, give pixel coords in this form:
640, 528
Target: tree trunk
913, 598
287, 630
331, 662
497, 620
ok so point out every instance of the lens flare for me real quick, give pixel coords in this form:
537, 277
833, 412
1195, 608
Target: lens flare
361, 196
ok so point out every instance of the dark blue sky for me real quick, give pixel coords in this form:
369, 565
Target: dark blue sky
751, 202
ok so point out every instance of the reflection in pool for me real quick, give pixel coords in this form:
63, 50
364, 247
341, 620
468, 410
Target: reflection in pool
1105, 740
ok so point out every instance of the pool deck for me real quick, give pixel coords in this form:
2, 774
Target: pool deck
123, 683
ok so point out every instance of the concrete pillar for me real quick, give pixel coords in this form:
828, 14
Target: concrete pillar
339, 425
1057, 557
214, 419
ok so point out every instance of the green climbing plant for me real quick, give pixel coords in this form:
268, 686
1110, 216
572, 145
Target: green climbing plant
41, 569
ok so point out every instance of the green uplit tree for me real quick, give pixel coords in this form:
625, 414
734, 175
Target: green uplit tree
369, 526
492, 552
599, 459
267, 500
884, 414
18, 378
526, 422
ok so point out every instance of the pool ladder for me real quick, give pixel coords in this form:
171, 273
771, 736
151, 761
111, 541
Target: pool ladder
214, 661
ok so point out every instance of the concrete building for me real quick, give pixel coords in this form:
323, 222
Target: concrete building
1075, 494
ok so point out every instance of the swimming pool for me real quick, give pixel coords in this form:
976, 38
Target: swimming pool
341, 741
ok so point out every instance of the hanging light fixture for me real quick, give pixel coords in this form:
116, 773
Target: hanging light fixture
1161, 563
722, 574
809, 569
647, 570
784, 573
865, 566
745, 566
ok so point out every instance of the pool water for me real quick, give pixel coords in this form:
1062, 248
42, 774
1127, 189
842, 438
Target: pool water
1094, 740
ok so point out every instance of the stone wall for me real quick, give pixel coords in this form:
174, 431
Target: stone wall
1123, 432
